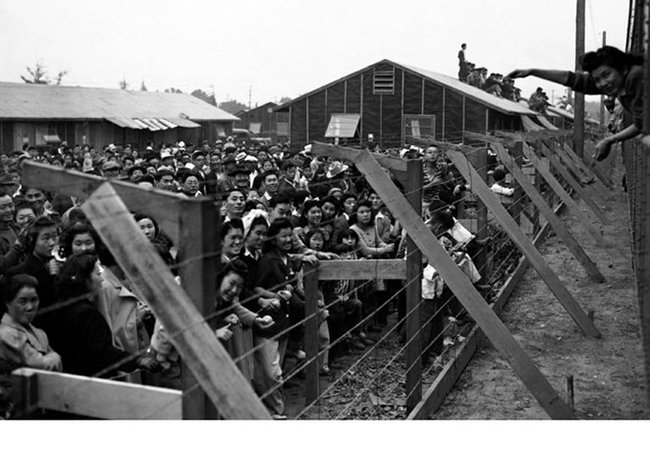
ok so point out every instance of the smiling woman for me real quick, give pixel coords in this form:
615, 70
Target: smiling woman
609, 71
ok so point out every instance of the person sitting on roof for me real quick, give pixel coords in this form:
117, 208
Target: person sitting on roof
538, 100
493, 84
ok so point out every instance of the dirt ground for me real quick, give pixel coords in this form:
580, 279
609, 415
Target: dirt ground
608, 373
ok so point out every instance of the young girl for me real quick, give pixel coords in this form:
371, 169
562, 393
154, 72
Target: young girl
345, 296
315, 240
371, 246
277, 273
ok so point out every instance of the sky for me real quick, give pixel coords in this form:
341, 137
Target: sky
259, 51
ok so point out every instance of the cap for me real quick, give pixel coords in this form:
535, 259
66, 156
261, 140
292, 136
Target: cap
111, 165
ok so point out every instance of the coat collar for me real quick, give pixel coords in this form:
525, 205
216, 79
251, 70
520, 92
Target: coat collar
29, 330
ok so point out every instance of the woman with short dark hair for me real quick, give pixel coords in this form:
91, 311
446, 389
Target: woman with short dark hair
611, 72
24, 345
79, 332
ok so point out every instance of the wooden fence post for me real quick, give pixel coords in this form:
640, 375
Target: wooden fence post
199, 263
558, 226
197, 343
482, 232
557, 165
571, 204
311, 333
413, 293
517, 236
517, 207
462, 287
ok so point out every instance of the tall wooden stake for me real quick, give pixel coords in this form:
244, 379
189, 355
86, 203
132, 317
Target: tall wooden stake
413, 294
579, 110
602, 97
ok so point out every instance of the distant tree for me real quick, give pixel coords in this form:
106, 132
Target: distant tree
60, 76
143, 87
285, 100
173, 90
209, 98
232, 106
38, 75
123, 84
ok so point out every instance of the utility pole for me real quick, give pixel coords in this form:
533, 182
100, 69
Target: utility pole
579, 110
250, 97
602, 97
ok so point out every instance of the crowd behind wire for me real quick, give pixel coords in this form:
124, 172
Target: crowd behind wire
68, 305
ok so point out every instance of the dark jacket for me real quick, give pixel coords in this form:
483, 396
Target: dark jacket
273, 274
82, 337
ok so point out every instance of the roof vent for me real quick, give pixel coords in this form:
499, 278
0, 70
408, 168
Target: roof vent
384, 82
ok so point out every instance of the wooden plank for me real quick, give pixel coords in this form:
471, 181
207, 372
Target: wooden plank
516, 207
413, 190
598, 167
103, 399
163, 206
24, 393
570, 160
595, 169
571, 205
558, 226
199, 255
311, 334
482, 232
362, 269
197, 343
562, 148
445, 381
557, 165
527, 248
464, 291
641, 244
435, 395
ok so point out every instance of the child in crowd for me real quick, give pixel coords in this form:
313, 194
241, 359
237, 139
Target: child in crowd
315, 240
345, 294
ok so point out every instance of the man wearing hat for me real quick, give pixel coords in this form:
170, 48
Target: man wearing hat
229, 163
198, 159
7, 184
335, 174
251, 164
165, 180
111, 170
240, 178
166, 158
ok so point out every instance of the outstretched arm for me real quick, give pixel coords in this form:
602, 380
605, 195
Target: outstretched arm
555, 76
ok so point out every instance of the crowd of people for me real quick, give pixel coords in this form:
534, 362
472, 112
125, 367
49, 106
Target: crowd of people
495, 83
67, 305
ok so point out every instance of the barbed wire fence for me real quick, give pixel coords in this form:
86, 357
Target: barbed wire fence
379, 372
